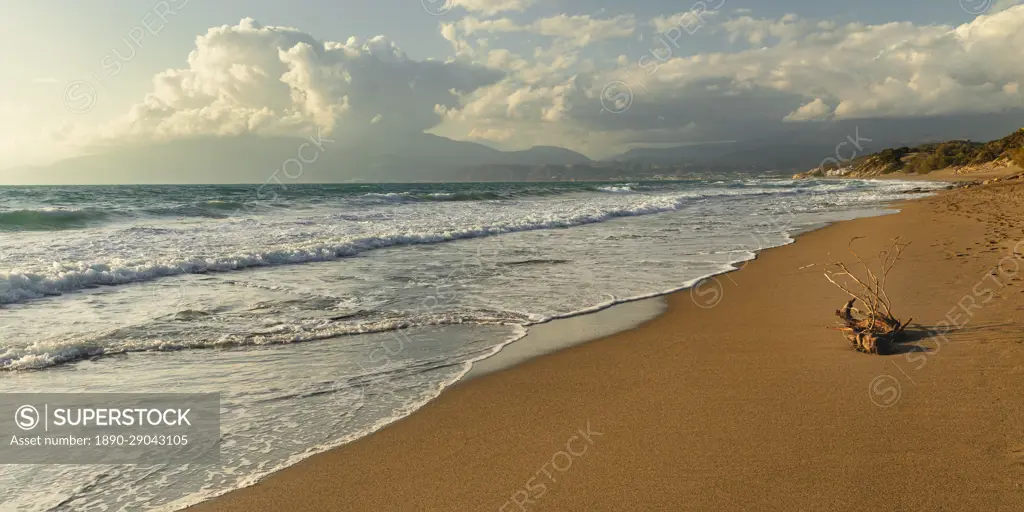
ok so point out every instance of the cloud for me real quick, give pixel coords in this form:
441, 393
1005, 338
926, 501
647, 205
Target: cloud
580, 31
491, 134
584, 30
538, 93
691, 21
814, 111
797, 70
758, 31
250, 78
492, 7
887, 70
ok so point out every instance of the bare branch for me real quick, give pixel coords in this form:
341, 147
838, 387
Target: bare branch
874, 330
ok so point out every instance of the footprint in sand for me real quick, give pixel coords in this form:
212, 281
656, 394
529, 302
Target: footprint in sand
1017, 455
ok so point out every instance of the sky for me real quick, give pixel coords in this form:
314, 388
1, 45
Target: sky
595, 76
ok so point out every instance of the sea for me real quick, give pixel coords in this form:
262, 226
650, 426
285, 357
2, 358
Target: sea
322, 313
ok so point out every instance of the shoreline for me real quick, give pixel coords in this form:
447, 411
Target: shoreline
407, 434
948, 175
564, 332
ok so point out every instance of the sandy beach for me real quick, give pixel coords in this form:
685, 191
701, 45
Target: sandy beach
738, 397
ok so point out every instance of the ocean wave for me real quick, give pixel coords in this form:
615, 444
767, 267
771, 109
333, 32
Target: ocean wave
26, 285
55, 219
70, 277
416, 197
616, 189
49, 219
141, 338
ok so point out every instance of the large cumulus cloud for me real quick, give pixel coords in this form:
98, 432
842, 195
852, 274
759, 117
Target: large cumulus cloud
250, 78
858, 71
786, 70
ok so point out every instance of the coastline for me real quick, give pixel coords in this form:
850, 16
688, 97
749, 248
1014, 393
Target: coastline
947, 174
449, 456
561, 333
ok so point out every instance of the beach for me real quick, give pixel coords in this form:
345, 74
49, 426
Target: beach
738, 397
336, 310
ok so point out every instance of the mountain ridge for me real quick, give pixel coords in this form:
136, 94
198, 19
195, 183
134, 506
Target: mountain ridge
386, 156
257, 159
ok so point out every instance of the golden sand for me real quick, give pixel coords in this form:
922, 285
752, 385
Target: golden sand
752, 404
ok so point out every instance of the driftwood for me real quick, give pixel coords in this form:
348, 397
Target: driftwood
876, 329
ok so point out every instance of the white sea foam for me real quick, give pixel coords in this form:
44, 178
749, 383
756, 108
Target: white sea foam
68, 276
64, 349
616, 189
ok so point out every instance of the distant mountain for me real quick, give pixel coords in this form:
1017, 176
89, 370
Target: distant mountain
672, 155
800, 146
547, 155
412, 157
255, 159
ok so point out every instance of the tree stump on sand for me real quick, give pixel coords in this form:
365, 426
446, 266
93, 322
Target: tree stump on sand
872, 336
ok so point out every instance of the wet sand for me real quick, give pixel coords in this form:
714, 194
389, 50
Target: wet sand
739, 397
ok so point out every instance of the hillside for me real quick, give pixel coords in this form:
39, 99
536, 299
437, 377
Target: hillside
963, 156
254, 159
795, 147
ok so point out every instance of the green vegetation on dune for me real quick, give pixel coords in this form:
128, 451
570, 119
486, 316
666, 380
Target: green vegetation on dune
947, 154
933, 156
891, 160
